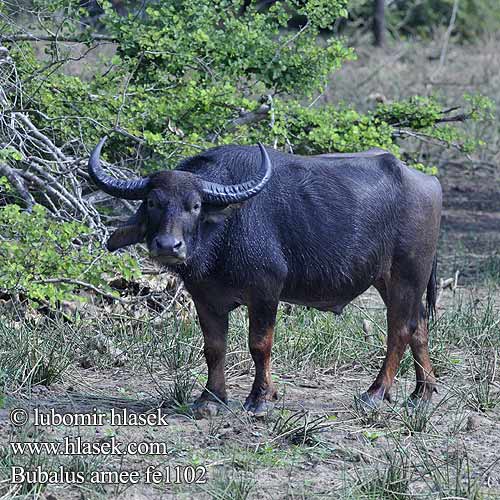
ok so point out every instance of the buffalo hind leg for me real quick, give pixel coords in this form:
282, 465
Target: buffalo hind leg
419, 343
214, 326
402, 320
262, 318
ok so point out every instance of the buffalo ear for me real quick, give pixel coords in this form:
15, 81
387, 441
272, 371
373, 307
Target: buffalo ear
132, 232
215, 215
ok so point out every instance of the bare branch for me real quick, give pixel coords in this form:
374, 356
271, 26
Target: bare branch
28, 37
53, 148
245, 118
18, 184
255, 116
451, 26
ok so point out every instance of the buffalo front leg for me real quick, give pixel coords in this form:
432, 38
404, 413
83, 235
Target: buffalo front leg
262, 318
214, 326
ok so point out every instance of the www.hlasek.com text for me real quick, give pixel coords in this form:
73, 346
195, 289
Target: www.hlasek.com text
78, 446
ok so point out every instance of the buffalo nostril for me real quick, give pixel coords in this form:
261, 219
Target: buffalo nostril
180, 248
161, 244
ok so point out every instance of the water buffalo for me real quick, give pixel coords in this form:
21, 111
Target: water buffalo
243, 225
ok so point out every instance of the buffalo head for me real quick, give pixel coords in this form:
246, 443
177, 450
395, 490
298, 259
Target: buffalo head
175, 205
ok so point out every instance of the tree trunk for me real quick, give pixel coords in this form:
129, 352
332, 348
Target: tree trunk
379, 23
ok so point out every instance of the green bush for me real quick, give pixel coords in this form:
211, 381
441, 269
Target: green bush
45, 260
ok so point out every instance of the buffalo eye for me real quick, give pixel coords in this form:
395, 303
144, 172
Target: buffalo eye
196, 207
151, 203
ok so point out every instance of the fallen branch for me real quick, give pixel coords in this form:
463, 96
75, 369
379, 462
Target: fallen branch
44, 186
29, 37
18, 184
41, 137
46, 172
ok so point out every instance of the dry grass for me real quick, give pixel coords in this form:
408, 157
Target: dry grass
316, 443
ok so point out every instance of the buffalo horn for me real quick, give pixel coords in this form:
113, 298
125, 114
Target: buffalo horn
136, 189
220, 194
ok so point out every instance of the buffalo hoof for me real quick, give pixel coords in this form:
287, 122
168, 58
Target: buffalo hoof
421, 397
258, 408
205, 409
260, 400
369, 402
420, 400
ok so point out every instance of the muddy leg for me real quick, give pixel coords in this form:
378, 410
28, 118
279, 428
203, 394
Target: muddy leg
262, 316
401, 324
214, 326
419, 343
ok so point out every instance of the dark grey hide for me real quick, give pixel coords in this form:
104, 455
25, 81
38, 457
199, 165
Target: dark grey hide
321, 232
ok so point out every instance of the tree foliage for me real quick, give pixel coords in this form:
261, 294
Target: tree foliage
48, 262
474, 17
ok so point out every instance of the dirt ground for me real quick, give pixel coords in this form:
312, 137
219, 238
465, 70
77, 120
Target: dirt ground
318, 468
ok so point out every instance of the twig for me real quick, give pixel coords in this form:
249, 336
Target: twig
426, 138
125, 88
83, 284
289, 41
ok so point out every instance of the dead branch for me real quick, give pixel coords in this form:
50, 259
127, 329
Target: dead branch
46, 172
246, 118
18, 184
29, 37
451, 26
41, 137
